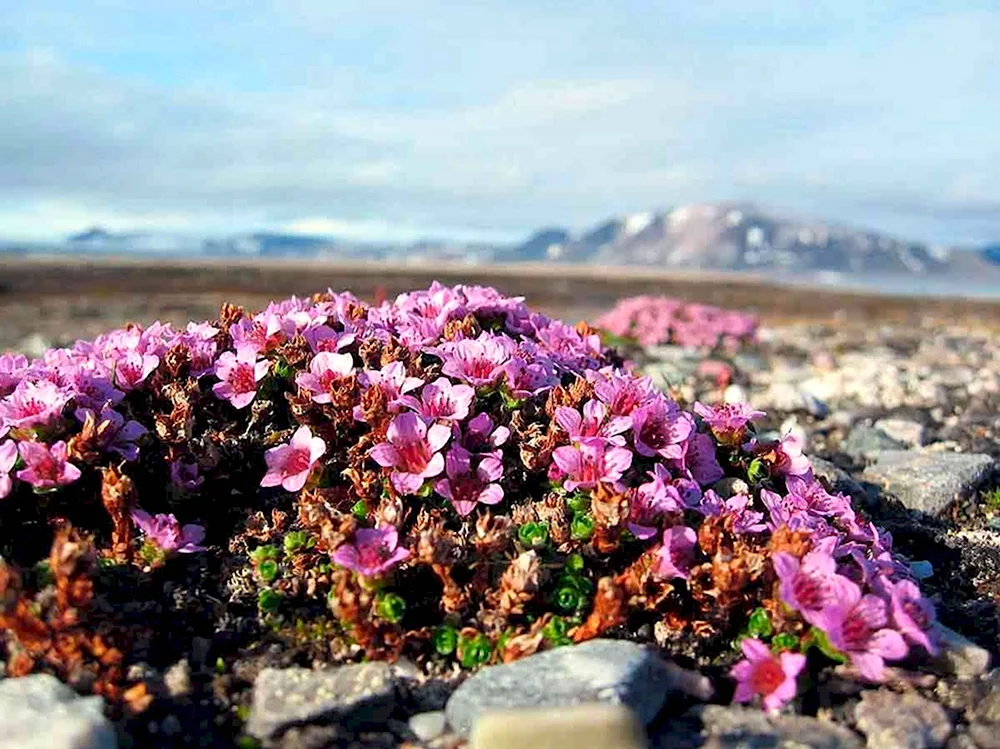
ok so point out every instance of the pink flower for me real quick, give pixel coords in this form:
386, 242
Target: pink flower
324, 338
290, 465
593, 423
46, 467
239, 374
736, 507
393, 381
481, 437
184, 475
676, 556
810, 585
728, 421
132, 368
372, 552
442, 400
912, 614
789, 460
526, 380
660, 428
115, 434
856, 625
652, 501
92, 389
479, 362
622, 392
413, 450
167, 534
464, 487
12, 367
33, 404
326, 374
8, 457
590, 463
699, 460
762, 673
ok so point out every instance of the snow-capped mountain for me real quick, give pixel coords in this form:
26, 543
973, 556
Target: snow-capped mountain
735, 236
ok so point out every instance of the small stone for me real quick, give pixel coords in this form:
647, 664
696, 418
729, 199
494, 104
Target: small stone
735, 394
865, 442
929, 481
737, 727
960, 656
611, 671
354, 695
40, 712
577, 727
891, 720
922, 570
730, 486
986, 735
428, 726
178, 679
910, 433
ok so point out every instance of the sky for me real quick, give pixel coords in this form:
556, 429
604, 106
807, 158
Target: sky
400, 119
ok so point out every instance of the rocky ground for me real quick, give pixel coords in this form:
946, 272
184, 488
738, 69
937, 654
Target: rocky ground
903, 418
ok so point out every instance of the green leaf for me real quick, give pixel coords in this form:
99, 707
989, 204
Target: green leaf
819, 639
759, 624
474, 650
297, 541
578, 503
574, 563
268, 570
555, 632
581, 528
268, 601
533, 535
758, 471
784, 642
360, 509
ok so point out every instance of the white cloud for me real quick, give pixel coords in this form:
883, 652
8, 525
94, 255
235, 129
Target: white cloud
493, 117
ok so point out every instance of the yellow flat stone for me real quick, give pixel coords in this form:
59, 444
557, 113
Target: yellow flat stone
589, 726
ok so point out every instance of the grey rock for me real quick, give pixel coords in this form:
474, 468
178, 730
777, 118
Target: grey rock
959, 656
910, 433
40, 712
611, 671
736, 727
355, 695
592, 726
929, 481
865, 442
894, 721
428, 726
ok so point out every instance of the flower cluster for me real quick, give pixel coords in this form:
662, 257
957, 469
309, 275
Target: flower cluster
661, 320
453, 475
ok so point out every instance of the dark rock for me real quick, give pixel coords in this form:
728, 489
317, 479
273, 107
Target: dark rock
736, 727
612, 671
929, 481
891, 720
865, 442
356, 695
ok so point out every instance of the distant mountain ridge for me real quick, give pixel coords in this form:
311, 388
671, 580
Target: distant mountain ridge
709, 237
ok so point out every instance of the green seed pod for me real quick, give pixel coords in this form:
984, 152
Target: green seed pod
268, 570
445, 639
390, 607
